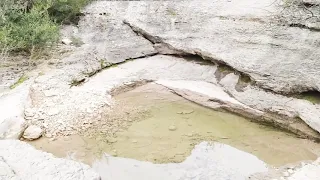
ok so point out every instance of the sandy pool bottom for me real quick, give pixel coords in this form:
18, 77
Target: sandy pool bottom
169, 127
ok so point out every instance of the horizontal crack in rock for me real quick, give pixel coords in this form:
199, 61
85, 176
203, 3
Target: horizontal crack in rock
167, 49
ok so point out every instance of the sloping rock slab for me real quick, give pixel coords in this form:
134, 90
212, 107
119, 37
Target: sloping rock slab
18, 160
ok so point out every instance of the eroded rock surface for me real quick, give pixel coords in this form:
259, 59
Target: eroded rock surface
242, 34
68, 110
18, 160
12, 122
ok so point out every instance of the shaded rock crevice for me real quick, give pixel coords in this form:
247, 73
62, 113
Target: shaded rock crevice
103, 66
167, 49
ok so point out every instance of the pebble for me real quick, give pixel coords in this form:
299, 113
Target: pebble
290, 171
185, 112
53, 111
89, 110
180, 153
286, 174
134, 141
50, 93
66, 41
172, 128
189, 134
114, 153
29, 112
112, 140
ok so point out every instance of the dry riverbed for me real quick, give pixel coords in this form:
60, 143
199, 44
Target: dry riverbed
150, 123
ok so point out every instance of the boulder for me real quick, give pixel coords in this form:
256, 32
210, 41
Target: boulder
12, 122
32, 132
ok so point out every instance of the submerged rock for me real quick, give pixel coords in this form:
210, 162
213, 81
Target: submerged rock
172, 128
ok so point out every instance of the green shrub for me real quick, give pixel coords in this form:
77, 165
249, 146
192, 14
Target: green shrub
29, 25
67, 11
23, 30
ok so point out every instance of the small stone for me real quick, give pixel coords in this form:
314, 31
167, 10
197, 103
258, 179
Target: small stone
290, 171
188, 112
81, 154
52, 139
28, 118
50, 93
112, 140
66, 41
185, 112
29, 112
286, 174
172, 128
224, 137
48, 135
134, 141
53, 111
89, 110
32, 132
114, 153
189, 134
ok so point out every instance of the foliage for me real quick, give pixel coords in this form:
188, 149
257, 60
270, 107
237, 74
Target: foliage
32, 25
67, 11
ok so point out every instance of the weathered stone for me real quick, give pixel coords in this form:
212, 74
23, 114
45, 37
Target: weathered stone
29, 112
12, 128
66, 41
172, 128
32, 132
53, 111
111, 140
21, 161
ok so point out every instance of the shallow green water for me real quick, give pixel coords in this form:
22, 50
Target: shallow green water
174, 125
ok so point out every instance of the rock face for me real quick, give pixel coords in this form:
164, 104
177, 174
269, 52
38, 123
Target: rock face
19, 160
207, 161
242, 34
32, 133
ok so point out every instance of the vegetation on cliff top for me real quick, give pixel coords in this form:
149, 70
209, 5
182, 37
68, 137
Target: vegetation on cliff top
33, 25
